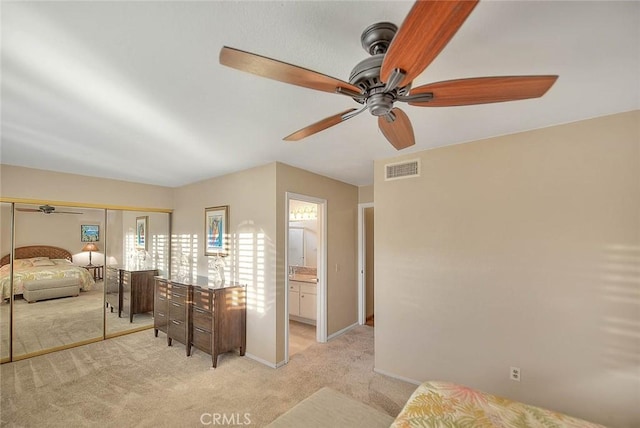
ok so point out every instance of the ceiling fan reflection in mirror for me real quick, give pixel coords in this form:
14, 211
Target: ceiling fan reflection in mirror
46, 209
398, 55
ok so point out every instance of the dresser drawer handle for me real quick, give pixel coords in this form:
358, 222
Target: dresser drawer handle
176, 322
177, 294
199, 310
199, 330
176, 304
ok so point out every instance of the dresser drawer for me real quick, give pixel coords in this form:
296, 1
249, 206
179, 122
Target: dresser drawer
177, 311
202, 299
161, 289
177, 293
201, 319
160, 301
202, 339
177, 330
160, 320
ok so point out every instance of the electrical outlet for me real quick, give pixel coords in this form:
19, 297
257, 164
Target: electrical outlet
514, 374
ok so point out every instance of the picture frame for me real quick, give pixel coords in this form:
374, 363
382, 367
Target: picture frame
216, 231
142, 227
89, 233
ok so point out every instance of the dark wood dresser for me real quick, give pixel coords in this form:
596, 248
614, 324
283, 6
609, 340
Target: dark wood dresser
211, 319
160, 306
134, 290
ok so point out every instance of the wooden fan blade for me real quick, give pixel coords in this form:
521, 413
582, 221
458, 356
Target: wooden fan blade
484, 90
281, 71
399, 132
65, 212
424, 33
28, 210
318, 126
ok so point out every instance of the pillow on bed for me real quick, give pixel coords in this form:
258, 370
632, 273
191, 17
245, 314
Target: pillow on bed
43, 263
22, 263
61, 261
35, 259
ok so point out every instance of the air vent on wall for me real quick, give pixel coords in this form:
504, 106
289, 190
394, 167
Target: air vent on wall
406, 169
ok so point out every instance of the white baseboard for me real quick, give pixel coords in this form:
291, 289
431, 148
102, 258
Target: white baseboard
344, 330
302, 320
262, 361
395, 376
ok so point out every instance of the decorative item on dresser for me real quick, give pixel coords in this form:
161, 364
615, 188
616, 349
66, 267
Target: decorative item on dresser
201, 315
130, 290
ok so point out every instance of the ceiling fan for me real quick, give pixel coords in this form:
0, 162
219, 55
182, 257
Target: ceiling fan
398, 55
46, 209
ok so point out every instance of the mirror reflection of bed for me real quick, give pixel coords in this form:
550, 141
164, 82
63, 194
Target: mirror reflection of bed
56, 302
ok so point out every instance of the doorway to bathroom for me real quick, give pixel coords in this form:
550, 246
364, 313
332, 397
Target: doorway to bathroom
305, 261
366, 264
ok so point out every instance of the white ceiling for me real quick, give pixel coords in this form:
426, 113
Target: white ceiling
134, 90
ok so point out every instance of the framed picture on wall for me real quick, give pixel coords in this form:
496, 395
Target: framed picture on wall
142, 226
89, 233
216, 233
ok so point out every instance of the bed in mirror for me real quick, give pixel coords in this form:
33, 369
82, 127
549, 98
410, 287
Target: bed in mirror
57, 299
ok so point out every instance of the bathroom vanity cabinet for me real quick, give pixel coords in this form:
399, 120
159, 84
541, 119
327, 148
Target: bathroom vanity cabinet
302, 300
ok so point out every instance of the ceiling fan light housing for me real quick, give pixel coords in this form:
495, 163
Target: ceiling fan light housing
380, 104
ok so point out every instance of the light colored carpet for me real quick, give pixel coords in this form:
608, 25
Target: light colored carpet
138, 381
59, 322
328, 408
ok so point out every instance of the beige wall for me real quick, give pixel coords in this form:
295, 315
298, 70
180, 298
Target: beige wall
28, 183
522, 250
342, 202
365, 194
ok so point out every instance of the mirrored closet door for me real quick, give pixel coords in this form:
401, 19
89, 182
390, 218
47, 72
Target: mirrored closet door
5, 281
57, 278
137, 250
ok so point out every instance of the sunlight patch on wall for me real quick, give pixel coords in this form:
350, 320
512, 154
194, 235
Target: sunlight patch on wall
160, 252
621, 324
184, 255
250, 267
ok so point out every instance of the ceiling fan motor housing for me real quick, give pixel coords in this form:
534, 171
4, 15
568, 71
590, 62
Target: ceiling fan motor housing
366, 74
